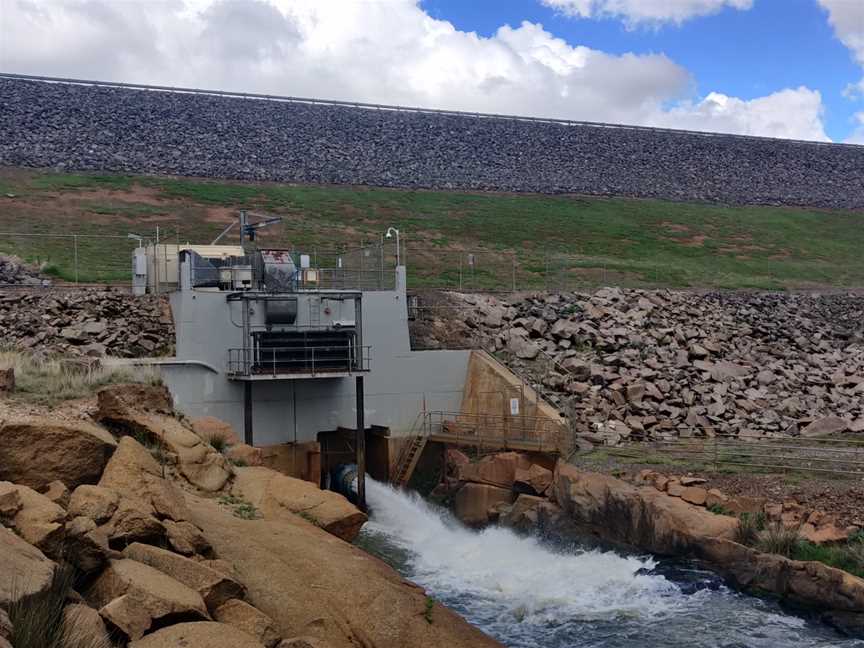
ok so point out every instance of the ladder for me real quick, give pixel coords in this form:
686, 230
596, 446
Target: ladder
410, 454
408, 460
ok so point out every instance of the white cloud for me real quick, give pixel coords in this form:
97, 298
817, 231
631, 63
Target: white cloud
380, 52
847, 19
791, 113
857, 136
635, 12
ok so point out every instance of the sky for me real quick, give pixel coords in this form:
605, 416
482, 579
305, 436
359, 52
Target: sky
779, 68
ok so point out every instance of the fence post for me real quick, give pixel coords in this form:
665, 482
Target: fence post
75, 263
514, 271
460, 272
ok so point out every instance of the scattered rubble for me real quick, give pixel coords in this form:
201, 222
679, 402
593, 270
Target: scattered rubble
13, 271
86, 323
660, 364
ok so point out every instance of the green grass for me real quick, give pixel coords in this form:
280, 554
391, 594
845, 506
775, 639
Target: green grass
560, 241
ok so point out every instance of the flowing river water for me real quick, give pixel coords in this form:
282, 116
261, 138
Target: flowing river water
529, 593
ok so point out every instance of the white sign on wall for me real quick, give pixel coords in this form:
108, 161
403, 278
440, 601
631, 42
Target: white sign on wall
514, 407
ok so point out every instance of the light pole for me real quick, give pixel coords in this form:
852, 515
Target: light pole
389, 234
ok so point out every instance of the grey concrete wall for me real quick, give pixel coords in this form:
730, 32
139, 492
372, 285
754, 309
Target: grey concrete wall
397, 386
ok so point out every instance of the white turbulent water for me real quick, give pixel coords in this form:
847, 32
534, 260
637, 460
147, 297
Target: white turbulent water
527, 593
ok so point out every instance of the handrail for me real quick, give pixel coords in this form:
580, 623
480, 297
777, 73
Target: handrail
398, 108
253, 361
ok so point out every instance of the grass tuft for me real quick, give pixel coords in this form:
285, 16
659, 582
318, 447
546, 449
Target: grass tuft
51, 380
749, 527
779, 539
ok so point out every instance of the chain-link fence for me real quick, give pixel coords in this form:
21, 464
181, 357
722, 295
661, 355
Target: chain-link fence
74, 258
95, 258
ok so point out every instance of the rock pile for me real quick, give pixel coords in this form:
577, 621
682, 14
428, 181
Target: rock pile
145, 572
663, 364
86, 322
13, 271
126, 130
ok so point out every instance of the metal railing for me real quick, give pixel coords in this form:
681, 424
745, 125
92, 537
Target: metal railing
521, 432
299, 360
830, 456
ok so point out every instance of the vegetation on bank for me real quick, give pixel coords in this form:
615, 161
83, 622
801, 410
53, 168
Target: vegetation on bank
776, 538
51, 380
558, 241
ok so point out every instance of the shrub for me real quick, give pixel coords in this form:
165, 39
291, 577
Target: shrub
749, 526
38, 621
779, 539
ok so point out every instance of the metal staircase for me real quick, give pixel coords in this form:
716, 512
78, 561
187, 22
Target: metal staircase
410, 454
408, 460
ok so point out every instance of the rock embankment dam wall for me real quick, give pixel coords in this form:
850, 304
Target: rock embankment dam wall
89, 127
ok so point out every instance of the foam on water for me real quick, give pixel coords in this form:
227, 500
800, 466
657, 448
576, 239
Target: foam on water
517, 573
527, 593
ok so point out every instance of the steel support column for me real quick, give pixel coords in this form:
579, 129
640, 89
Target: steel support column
361, 447
247, 413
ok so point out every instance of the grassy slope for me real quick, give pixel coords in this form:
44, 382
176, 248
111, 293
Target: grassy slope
560, 240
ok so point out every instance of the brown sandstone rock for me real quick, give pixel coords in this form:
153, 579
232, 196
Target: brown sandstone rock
209, 427
207, 634
695, 495
250, 620
134, 474
39, 520
57, 492
7, 381
715, 497
185, 538
276, 495
524, 513
245, 455
132, 596
643, 517
116, 400
473, 502
37, 451
24, 570
214, 587
536, 478
130, 524
85, 545
5, 625
95, 502
303, 642
83, 627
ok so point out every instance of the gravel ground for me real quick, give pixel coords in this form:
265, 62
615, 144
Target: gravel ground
125, 130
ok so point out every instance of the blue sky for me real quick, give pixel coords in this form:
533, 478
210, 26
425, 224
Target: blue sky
776, 44
777, 68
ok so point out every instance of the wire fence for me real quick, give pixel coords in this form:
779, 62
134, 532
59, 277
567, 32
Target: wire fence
830, 456
81, 258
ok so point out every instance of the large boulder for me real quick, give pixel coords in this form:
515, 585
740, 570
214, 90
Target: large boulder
135, 475
144, 411
95, 502
186, 538
133, 596
536, 479
131, 524
38, 520
474, 503
208, 634
643, 517
37, 451
116, 400
250, 620
24, 570
213, 586
210, 427
85, 545
276, 495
